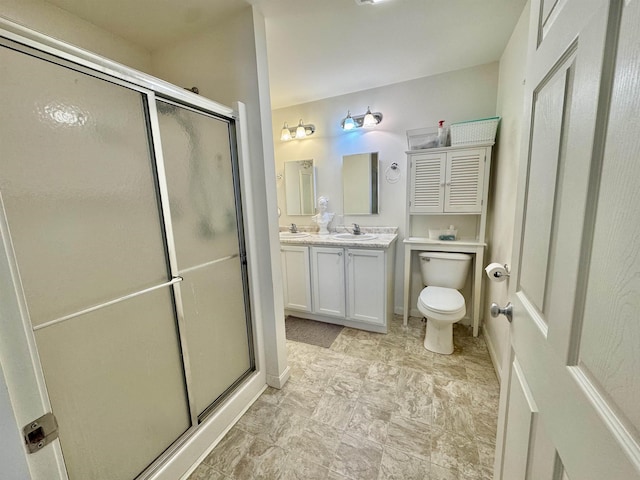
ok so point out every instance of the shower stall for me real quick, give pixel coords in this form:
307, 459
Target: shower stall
123, 238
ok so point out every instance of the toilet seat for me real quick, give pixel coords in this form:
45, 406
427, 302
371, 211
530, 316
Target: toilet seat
441, 303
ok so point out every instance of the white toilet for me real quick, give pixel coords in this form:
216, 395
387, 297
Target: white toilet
440, 302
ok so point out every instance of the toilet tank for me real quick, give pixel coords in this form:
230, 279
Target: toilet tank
441, 269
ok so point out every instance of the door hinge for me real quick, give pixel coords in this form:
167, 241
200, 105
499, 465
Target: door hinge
40, 432
243, 258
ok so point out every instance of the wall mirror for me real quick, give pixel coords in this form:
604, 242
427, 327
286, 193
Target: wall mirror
360, 184
300, 187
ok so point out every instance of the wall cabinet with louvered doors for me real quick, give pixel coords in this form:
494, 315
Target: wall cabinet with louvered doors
447, 189
447, 181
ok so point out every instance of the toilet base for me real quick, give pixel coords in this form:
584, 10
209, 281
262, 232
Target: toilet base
439, 337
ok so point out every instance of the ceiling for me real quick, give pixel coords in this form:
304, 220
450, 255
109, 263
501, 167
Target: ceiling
324, 48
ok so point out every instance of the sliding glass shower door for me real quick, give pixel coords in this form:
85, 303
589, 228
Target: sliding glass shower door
80, 198
208, 238
140, 318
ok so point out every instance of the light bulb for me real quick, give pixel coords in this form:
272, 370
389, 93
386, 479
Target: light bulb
369, 119
285, 135
348, 123
300, 131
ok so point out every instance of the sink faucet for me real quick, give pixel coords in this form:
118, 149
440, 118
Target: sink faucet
293, 228
356, 229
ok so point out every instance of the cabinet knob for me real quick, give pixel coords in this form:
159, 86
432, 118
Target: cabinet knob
339, 254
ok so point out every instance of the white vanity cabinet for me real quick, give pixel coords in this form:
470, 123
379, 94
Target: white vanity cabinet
347, 285
447, 181
350, 283
296, 277
328, 279
366, 279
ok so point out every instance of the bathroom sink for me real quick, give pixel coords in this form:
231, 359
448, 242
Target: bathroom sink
351, 236
293, 235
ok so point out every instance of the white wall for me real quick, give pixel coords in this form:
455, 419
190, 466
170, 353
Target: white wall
502, 202
57, 23
455, 96
228, 64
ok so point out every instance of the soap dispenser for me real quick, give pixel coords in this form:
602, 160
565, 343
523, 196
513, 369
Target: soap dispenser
442, 134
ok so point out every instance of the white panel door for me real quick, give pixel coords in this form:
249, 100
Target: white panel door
296, 277
327, 270
576, 257
80, 219
366, 285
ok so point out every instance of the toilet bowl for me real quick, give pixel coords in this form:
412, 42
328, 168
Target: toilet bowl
440, 301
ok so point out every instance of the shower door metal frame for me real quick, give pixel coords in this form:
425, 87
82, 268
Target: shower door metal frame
22, 370
171, 247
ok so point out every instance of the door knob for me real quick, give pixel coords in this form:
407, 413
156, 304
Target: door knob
507, 311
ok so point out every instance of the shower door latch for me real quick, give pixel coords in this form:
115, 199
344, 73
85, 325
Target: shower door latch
40, 432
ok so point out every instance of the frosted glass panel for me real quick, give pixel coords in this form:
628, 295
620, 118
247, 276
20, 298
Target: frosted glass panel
197, 160
116, 386
77, 186
216, 329
197, 157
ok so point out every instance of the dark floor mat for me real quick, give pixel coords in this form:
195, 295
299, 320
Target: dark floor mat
311, 332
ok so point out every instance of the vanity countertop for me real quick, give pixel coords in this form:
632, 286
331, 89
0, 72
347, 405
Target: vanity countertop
384, 238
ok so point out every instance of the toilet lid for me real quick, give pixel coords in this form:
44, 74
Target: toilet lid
442, 300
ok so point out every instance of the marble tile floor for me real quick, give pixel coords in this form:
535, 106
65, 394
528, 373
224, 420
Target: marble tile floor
371, 407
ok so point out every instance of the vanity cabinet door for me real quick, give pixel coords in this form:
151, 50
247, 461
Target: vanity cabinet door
366, 285
296, 278
464, 181
328, 292
427, 182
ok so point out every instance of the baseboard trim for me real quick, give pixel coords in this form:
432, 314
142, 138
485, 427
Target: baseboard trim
278, 382
221, 435
493, 355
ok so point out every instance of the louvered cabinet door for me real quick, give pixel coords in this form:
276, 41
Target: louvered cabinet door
427, 183
464, 181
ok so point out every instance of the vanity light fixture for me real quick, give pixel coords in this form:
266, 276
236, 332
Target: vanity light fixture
302, 130
367, 120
